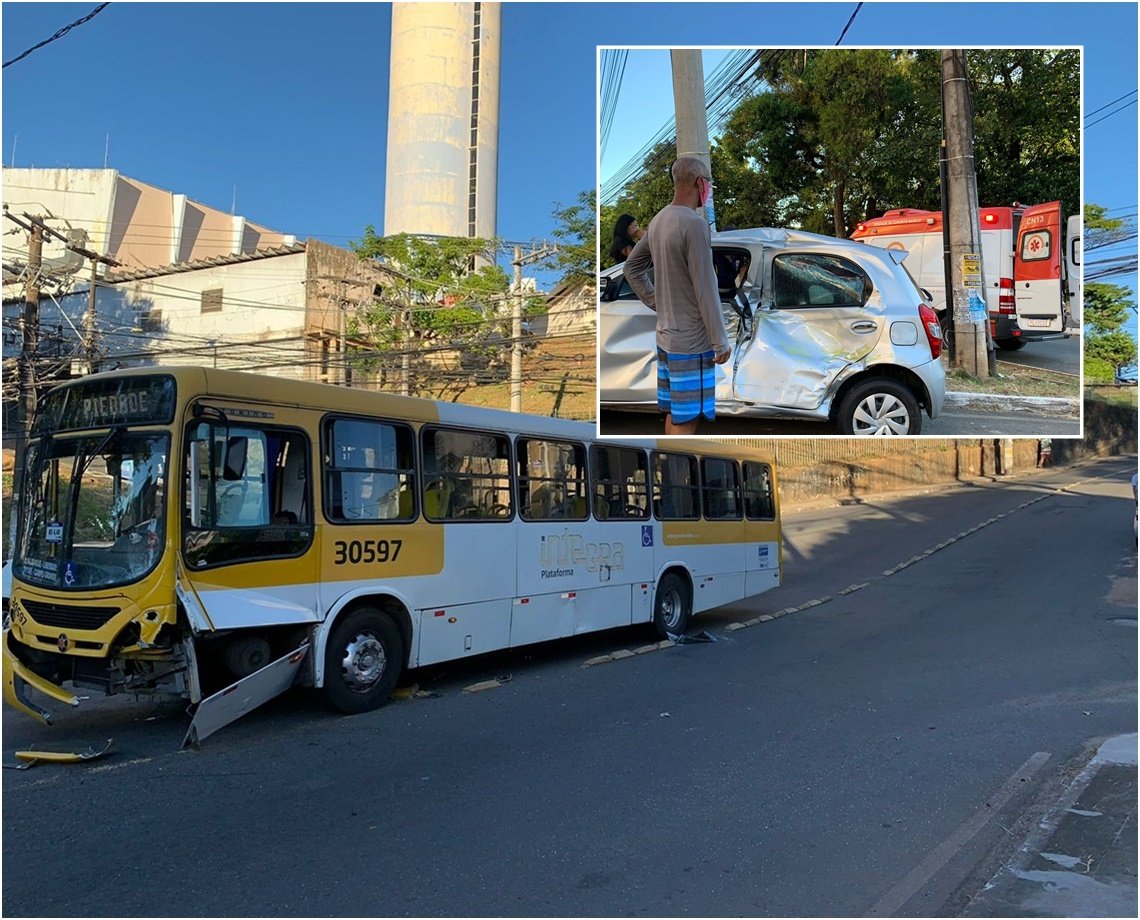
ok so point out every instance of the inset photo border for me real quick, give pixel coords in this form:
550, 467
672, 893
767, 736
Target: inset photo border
772, 254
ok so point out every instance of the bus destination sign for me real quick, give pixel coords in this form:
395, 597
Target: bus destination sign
106, 403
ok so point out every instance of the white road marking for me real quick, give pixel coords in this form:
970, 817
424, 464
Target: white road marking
889, 904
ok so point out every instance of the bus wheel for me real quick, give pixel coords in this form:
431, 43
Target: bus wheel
672, 606
363, 661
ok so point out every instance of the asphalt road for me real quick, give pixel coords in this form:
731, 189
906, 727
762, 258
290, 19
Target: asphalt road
1052, 354
974, 423
875, 754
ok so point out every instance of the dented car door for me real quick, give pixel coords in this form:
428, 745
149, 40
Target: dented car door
814, 315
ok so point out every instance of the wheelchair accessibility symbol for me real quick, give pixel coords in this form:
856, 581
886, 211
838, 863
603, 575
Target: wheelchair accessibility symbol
646, 534
69, 575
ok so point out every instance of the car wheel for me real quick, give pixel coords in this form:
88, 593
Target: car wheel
363, 661
1010, 344
672, 606
879, 407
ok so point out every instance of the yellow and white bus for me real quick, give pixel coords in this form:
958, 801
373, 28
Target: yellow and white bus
189, 530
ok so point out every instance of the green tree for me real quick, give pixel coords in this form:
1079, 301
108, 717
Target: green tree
1108, 348
828, 141
1027, 125
838, 135
577, 236
438, 298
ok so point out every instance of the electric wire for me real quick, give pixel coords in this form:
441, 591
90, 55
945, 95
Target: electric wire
62, 32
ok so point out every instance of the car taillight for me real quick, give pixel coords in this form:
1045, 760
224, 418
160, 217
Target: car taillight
929, 321
1006, 302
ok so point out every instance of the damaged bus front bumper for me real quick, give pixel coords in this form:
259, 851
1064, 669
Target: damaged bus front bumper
19, 679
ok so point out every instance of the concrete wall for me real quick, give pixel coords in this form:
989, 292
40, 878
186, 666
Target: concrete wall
843, 468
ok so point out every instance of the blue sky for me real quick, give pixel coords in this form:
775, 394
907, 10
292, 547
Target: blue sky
287, 101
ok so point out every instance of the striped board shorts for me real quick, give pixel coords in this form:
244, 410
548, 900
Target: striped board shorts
686, 385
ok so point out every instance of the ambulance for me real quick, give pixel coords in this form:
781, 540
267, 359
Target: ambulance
1030, 269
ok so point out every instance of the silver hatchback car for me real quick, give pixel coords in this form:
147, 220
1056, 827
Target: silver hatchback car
823, 328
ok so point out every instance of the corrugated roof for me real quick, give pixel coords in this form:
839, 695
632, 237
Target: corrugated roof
175, 268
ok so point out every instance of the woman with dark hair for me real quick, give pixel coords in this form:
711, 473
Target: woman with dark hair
626, 234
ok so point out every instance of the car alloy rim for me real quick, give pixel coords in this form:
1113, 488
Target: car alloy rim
363, 662
881, 414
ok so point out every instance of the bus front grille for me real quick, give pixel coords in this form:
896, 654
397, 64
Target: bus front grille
67, 617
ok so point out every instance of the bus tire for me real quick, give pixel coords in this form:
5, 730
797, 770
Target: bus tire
672, 605
363, 661
867, 406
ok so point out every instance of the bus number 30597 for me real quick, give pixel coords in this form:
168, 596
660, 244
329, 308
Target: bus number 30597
367, 551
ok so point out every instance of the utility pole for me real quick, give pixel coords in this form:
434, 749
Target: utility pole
536, 254
89, 342
29, 341
516, 335
973, 346
692, 117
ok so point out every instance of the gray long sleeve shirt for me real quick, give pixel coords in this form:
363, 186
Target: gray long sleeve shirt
684, 290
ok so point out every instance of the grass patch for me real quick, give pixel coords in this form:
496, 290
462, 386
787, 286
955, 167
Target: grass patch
1016, 380
1112, 393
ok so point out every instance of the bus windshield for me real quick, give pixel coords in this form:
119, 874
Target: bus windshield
93, 511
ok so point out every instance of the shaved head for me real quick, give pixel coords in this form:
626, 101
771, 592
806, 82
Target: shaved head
688, 169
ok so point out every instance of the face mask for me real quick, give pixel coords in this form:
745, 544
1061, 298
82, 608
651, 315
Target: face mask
704, 190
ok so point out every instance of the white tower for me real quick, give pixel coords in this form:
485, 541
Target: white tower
443, 119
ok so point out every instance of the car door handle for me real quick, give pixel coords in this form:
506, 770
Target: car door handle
864, 325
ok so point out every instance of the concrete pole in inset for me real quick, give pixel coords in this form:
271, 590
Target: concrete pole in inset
516, 335
968, 297
692, 118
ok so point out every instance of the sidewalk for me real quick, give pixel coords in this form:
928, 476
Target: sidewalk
1081, 859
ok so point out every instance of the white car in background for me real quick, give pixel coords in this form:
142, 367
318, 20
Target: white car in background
822, 328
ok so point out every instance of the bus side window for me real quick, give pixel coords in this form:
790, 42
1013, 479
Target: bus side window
722, 499
467, 475
620, 482
551, 480
676, 488
369, 471
758, 499
247, 495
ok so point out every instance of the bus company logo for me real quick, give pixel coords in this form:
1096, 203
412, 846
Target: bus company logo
561, 555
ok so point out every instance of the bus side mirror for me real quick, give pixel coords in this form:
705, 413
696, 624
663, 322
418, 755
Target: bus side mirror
234, 466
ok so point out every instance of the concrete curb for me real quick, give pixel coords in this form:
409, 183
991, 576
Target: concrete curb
998, 896
1052, 406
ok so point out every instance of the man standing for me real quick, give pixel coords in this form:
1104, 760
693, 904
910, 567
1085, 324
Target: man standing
691, 337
